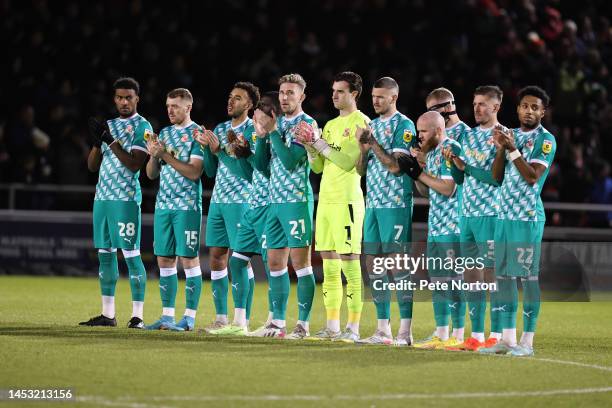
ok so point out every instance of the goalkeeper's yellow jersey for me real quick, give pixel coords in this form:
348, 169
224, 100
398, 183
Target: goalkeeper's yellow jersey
338, 185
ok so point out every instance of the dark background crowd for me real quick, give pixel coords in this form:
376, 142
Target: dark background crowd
61, 58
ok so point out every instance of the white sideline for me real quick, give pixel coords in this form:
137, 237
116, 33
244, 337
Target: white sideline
131, 402
125, 401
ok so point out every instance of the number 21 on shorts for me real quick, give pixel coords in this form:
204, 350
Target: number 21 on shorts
294, 226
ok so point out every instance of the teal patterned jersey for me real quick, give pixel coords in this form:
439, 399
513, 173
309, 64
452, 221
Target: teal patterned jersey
229, 188
456, 132
383, 188
177, 192
259, 193
478, 199
115, 181
290, 186
519, 201
443, 211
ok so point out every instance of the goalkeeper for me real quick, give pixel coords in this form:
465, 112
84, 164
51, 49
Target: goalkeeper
341, 209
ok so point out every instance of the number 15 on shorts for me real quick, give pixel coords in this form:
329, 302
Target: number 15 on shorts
191, 239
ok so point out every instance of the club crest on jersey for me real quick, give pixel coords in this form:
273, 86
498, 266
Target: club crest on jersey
347, 132
147, 135
129, 129
408, 136
529, 143
387, 131
184, 138
547, 146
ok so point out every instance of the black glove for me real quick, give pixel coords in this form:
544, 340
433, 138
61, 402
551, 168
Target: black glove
409, 165
367, 137
99, 132
242, 150
265, 108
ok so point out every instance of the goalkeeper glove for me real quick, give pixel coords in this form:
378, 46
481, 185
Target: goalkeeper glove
242, 148
410, 166
99, 132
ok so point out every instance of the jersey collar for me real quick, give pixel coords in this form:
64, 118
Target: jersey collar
240, 125
131, 117
184, 126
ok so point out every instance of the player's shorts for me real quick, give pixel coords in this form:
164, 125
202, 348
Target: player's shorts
387, 230
289, 225
116, 224
442, 255
222, 224
339, 227
518, 248
176, 233
477, 238
249, 237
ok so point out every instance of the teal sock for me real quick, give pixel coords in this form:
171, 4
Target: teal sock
477, 304
381, 296
508, 301
138, 277
457, 307
250, 297
219, 285
440, 307
496, 311
404, 297
167, 288
267, 269
240, 280
279, 285
531, 303
305, 292
108, 272
193, 287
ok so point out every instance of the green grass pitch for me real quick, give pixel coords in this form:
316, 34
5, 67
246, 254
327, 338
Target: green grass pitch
41, 346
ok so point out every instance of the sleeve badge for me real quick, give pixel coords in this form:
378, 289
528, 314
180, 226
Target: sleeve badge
408, 136
547, 146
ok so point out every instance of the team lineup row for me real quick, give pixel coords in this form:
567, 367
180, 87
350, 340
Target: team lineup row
483, 185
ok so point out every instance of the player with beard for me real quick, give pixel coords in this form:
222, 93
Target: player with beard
523, 161
230, 199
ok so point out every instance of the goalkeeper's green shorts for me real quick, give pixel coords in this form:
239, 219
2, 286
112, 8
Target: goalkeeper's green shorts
339, 227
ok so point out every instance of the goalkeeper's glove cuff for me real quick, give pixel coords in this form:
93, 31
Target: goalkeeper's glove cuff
321, 146
106, 138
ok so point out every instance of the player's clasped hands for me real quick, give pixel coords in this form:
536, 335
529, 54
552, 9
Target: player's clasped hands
155, 146
206, 137
419, 155
263, 122
448, 154
503, 137
305, 133
364, 136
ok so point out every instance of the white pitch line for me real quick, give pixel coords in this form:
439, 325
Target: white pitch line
98, 400
125, 401
457, 395
574, 363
